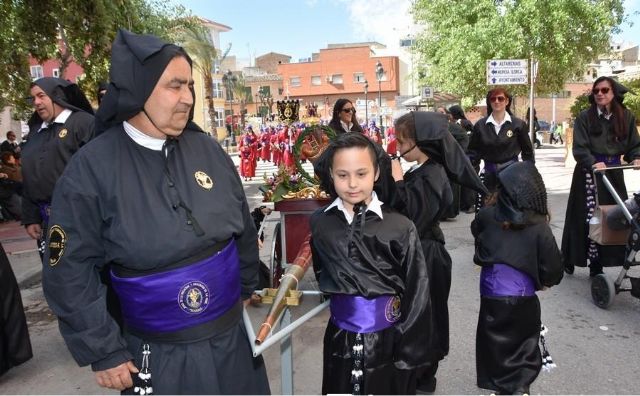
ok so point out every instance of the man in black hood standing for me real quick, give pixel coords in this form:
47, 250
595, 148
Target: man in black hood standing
161, 203
61, 123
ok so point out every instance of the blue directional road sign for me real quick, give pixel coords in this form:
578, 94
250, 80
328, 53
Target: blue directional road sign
507, 71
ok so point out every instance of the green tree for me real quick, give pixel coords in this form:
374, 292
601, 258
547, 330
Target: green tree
580, 103
458, 40
79, 30
632, 98
242, 94
198, 43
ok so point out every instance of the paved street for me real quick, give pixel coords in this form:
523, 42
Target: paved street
596, 350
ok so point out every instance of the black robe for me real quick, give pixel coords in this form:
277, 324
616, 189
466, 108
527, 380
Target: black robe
423, 196
458, 132
44, 157
590, 139
15, 346
512, 140
508, 358
119, 203
382, 258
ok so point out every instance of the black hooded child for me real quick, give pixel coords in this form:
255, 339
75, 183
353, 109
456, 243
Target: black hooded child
519, 256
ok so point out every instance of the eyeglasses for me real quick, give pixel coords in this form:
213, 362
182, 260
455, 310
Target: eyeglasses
351, 110
499, 99
604, 90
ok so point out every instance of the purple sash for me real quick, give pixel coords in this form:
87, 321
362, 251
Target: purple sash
502, 280
609, 160
361, 315
44, 211
493, 167
181, 298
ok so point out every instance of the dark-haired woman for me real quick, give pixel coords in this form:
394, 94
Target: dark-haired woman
601, 135
467, 195
498, 139
344, 118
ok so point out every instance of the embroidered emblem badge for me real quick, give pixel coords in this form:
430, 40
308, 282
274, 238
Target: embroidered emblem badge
509, 133
62, 133
57, 243
204, 180
193, 297
392, 310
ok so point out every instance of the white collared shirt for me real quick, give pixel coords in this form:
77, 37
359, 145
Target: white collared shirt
602, 114
142, 138
495, 123
60, 119
345, 126
374, 206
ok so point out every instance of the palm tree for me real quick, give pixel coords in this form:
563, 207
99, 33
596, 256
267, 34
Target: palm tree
197, 41
243, 94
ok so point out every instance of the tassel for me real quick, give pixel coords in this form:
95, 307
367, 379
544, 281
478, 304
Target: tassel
145, 387
547, 361
357, 374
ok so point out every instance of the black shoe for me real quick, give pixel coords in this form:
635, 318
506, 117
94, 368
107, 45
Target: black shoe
427, 385
569, 268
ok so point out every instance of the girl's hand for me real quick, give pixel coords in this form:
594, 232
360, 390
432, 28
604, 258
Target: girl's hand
600, 165
396, 170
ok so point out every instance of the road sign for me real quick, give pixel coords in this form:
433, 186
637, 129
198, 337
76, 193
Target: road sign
507, 71
427, 93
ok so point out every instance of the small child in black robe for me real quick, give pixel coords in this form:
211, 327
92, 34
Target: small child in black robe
519, 256
423, 194
368, 259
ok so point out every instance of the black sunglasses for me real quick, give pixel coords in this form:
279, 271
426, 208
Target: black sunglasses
604, 90
351, 110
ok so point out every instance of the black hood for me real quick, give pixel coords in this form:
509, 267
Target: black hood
63, 93
137, 63
434, 139
522, 197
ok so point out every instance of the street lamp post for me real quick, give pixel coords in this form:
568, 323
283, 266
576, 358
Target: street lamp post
379, 75
230, 80
366, 103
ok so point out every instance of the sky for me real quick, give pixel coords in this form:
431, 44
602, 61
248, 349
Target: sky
300, 27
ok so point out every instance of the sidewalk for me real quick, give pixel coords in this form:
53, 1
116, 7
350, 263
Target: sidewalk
22, 253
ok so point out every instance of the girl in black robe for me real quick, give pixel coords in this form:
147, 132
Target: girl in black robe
519, 256
423, 194
601, 135
15, 346
367, 257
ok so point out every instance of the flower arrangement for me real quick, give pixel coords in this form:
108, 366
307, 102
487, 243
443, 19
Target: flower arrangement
296, 183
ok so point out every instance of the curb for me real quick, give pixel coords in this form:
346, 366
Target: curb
30, 278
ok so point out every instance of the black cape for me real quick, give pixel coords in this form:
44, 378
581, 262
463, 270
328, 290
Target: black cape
15, 346
423, 196
381, 258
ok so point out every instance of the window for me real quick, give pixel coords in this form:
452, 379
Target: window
219, 118
265, 91
316, 80
56, 72
407, 42
358, 77
217, 89
280, 91
337, 79
36, 72
216, 66
294, 81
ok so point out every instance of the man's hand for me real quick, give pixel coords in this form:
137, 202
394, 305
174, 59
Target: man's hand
636, 162
34, 231
599, 165
118, 377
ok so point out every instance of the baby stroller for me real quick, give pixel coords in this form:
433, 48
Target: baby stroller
616, 225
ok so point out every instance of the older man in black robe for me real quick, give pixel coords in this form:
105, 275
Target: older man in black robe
162, 203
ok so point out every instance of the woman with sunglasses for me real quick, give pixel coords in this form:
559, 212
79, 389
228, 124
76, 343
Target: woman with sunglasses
498, 139
602, 134
344, 117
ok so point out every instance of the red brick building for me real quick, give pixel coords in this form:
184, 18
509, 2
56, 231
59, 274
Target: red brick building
340, 72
